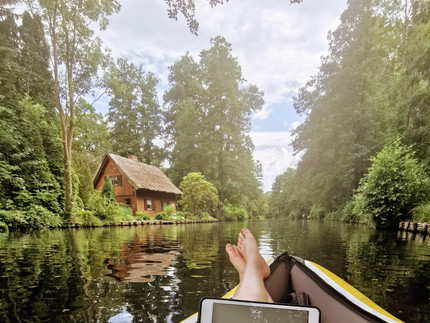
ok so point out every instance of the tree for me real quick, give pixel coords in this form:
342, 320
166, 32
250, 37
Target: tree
91, 142
208, 119
198, 195
134, 112
36, 78
394, 185
76, 55
11, 71
108, 192
342, 130
26, 177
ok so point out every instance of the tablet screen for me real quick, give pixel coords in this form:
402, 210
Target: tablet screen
224, 313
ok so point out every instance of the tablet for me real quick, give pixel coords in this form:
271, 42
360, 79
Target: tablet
218, 310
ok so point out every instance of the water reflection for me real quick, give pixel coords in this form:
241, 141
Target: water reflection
139, 261
159, 274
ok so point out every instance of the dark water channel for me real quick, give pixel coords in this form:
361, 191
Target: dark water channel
159, 273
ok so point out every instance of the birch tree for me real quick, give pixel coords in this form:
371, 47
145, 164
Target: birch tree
76, 57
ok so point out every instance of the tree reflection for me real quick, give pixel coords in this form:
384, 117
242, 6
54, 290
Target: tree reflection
158, 273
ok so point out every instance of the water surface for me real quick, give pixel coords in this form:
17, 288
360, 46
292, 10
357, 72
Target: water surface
160, 273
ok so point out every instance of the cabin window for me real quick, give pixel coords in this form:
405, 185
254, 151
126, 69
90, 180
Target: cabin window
116, 180
127, 201
164, 204
148, 204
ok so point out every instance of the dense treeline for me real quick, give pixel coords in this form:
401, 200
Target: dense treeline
370, 98
52, 139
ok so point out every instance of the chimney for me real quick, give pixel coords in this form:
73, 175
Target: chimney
132, 157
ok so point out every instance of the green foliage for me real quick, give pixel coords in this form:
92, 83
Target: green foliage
160, 216
115, 213
201, 137
233, 213
101, 209
34, 217
142, 216
317, 212
89, 146
169, 210
77, 58
372, 86
29, 177
97, 204
347, 213
3, 227
134, 112
198, 195
286, 198
421, 213
394, 185
192, 217
108, 192
86, 218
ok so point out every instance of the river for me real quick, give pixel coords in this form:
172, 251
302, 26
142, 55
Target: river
159, 273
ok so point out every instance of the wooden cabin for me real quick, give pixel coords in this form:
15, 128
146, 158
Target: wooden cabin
144, 187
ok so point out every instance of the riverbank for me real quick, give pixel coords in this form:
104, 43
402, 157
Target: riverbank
138, 223
415, 227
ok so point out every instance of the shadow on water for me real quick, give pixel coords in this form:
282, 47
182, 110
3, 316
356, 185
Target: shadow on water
160, 273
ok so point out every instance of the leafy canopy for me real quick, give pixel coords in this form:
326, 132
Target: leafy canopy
395, 183
198, 195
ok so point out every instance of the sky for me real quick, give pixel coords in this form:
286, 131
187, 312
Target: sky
278, 46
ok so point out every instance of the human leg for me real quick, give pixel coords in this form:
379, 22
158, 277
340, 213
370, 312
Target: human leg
252, 268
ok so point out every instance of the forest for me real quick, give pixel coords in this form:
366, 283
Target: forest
54, 69
366, 136
364, 142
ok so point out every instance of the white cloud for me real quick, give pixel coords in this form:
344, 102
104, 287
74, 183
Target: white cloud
278, 46
275, 153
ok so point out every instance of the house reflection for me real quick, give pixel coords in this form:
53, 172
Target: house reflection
139, 263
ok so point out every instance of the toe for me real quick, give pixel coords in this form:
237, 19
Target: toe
229, 248
246, 232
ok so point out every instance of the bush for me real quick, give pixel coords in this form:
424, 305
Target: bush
347, 213
160, 216
142, 216
317, 212
108, 192
232, 213
181, 214
34, 217
421, 213
85, 217
4, 227
169, 210
97, 204
117, 213
109, 212
332, 216
198, 195
192, 218
394, 185
205, 216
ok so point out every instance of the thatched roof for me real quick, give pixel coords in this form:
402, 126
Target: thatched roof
140, 175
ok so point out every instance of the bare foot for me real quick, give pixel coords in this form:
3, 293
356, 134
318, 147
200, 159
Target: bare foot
236, 258
248, 248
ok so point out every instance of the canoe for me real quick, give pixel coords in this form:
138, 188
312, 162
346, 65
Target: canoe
337, 300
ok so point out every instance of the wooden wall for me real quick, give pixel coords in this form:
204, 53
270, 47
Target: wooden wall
123, 192
156, 197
